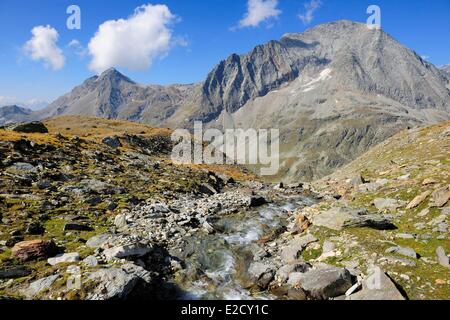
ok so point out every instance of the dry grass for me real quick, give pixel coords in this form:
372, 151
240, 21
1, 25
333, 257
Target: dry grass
97, 128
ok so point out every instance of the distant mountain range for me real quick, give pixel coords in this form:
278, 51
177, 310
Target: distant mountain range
334, 91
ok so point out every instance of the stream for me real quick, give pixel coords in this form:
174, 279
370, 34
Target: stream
217, 265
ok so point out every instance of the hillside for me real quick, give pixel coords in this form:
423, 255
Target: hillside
407, 178
59, 189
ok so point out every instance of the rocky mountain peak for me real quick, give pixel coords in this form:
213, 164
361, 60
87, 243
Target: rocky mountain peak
113, 74
14, 109
14, 113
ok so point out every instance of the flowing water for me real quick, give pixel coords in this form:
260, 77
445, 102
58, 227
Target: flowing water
217, 267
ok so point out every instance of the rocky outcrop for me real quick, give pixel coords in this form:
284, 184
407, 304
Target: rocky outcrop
31, 127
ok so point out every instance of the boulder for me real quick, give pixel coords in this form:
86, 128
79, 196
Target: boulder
127, 252
407, 252
98, 241
21, 168
31, 127
116, 283
262, 274
441, 197
340, 218
291, 253
387, 204
325, 283
284, 272
39, 286
90, 261
120, 221
256, 201
378, 286
418, 200
113, 142
207, 189
33, 250
64, 258
442, 257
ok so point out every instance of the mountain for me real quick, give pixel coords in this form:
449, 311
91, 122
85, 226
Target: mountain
352, 88
334, 91
114, 96
11, 114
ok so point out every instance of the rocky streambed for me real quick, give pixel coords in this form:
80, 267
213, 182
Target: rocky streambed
238, 260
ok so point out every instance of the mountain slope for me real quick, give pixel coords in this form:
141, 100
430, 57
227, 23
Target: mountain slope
364, 60
114, 96
407, 178
357, 88
11, 114
446, 68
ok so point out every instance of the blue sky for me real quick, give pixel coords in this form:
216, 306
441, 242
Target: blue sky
203, 33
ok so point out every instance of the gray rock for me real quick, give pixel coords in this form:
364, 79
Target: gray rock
284, 272
442, 257
373, 186
113, 142
340, 218
378, 286
405, 236
64, 258
261, 273
325, 282
98, 241
116, 283
387, 204
407, 252
398, 260
120, 221
39, 286
90, 261
206, 188
21, 168
292, 252
126, 252
208, 228
328, 246
441, 197
294, 279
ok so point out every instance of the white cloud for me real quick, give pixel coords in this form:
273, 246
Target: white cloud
310, 7
259, 11
78, 48
42, 46
133, 43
